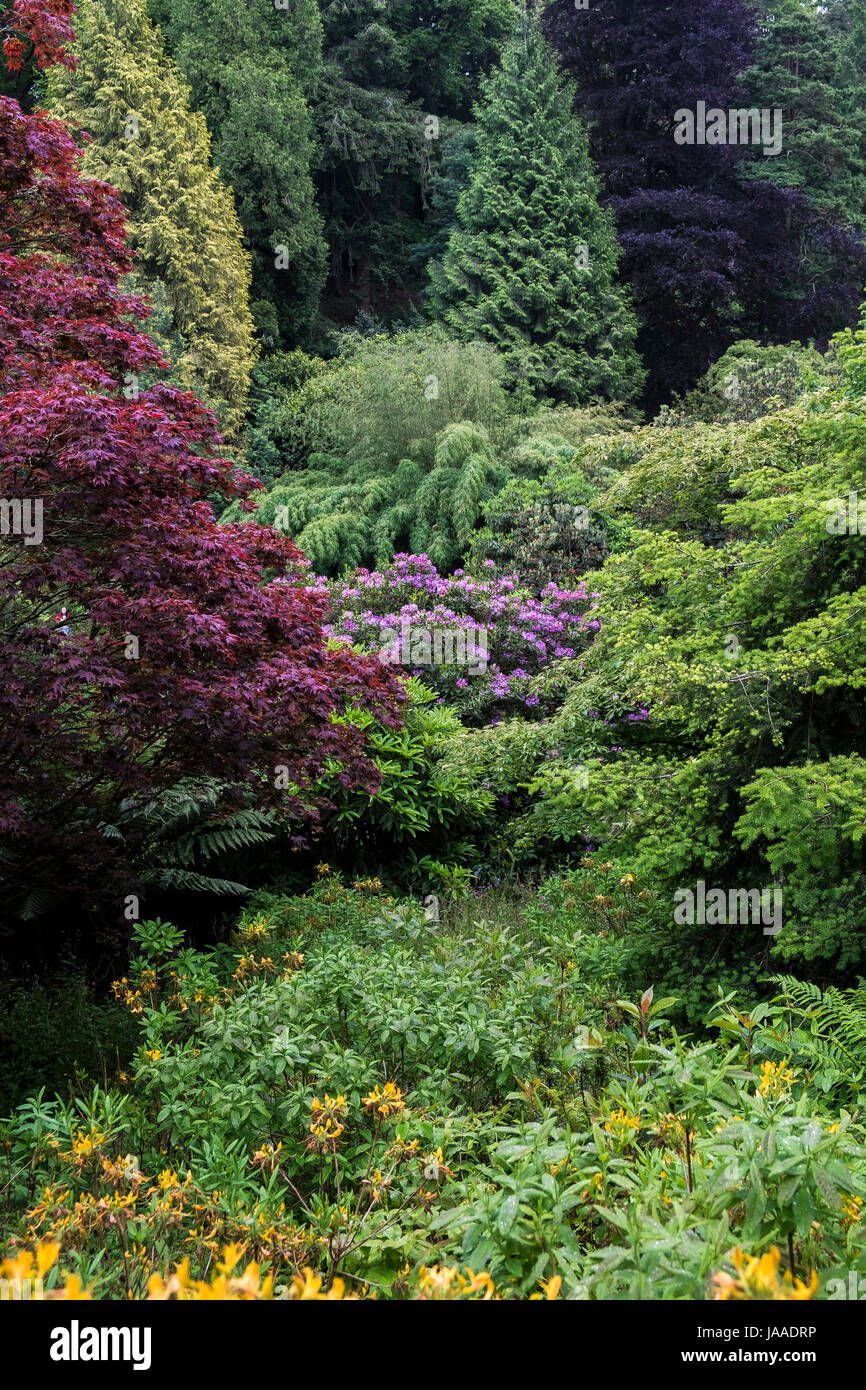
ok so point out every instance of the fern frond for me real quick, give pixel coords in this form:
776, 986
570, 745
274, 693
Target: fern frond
832, 1026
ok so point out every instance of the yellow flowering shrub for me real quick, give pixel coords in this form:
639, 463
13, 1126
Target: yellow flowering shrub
757, 1277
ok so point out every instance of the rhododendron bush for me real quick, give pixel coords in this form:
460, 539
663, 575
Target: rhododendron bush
181, 648
491, 634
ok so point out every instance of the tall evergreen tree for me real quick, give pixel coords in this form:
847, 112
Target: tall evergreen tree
254, 67
709, 257
800, 69
531, 263
183, 227
397, 78
847, 21
375, 161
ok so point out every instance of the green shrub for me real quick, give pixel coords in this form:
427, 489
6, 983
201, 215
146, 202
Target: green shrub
353, 1088
347, 515
751, 380
58, 1031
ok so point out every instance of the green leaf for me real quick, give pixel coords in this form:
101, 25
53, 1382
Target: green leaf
507, 1214
804, 1211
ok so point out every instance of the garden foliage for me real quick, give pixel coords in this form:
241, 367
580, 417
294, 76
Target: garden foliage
370, 855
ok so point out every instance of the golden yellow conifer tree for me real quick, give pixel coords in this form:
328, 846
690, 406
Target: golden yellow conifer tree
148, 143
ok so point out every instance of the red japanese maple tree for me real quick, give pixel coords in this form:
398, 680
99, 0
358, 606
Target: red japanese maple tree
187, 649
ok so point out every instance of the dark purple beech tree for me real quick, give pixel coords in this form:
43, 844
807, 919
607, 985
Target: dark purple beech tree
710, 256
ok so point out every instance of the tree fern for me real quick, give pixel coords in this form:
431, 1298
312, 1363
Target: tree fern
183, 831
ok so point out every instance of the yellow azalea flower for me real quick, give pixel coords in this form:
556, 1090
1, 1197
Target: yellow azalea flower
307, 1287
255, 930
34, 1265
757, 1278
403, 1149
73, 1290
389, 1101
46, 1255
673, 1132
231, 1257
87, 1143
433, 1165
597, 1182
441, 1282
378, 1185
326, 1124
243, 1287
551, 1286
622, 1125
776, 1081
18, 1266
267, 1157
84, 1147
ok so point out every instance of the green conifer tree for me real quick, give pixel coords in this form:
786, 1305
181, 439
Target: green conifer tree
803, 68
847, 20
532, 260
183, 227
397, 78
254, 67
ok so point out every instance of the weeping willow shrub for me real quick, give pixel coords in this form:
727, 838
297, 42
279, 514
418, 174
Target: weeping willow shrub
363, 513
399, 442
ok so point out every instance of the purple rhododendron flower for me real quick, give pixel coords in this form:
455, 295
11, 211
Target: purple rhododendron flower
461, 632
